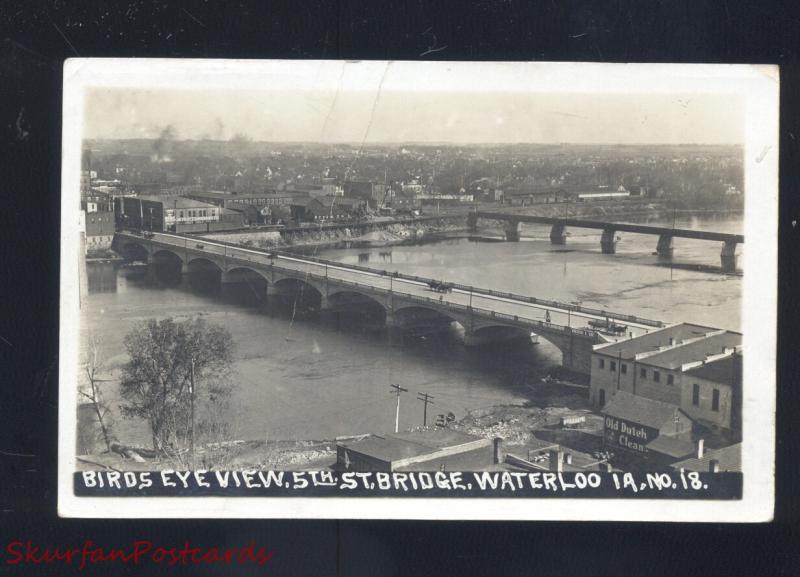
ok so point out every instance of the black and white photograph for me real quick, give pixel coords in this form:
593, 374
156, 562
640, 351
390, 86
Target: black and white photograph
418, 290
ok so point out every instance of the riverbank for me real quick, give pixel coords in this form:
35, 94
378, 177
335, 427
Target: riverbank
519, 425
372, 235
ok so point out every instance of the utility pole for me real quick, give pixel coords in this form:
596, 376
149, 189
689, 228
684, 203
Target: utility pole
425, 398
397, 389
191, 403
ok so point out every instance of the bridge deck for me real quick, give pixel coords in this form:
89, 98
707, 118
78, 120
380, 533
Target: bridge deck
516, 309
616, 226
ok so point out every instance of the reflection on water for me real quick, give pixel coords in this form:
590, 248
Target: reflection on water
101, 276
312, 376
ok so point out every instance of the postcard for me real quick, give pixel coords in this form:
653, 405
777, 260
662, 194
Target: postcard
418, 290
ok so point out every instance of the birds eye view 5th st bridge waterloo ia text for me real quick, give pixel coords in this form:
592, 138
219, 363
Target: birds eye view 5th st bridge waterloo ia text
392, 307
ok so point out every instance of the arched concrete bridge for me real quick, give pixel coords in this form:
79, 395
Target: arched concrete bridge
485, 315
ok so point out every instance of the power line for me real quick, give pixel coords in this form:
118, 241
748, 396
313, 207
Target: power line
426, 399
397, 389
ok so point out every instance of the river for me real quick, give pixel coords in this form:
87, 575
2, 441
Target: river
306, 379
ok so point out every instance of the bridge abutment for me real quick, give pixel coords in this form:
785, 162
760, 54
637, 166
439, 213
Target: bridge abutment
558, 234
608, 241
728, 257
576, 352
664, 247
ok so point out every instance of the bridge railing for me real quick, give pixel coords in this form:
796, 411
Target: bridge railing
423, 280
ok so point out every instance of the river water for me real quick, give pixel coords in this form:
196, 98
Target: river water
309, 379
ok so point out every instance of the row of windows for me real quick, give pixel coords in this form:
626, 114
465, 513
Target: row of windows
714, 397
195, 213
258, 201
623, 369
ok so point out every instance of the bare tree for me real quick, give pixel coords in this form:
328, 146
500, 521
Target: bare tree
95, 366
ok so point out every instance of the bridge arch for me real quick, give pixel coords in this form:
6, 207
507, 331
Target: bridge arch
203, 274
360, 305
245, 285
495, 333
166, 267
422, 320
133, 251
298, 292
244, 274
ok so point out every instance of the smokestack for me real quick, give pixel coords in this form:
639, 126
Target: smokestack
498, 450
556, 463
713, 466
700, 448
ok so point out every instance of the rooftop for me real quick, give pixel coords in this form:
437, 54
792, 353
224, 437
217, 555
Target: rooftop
218, 194
397, 446
652, 341
729, 459
178, 202
674, 357
724, 370
640, 410
671, 446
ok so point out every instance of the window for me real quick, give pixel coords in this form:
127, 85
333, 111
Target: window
696, 395
601, 363
656, 376
623, 368
715, 400
643, 373
613, 366
670, 379
602, 398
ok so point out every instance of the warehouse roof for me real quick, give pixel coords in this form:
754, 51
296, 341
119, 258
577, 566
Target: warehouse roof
652, 341
640, 410
674, 357
724, 370
671, 446
393, 447
178, 202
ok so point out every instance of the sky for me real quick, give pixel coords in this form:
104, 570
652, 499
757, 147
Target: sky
399, 116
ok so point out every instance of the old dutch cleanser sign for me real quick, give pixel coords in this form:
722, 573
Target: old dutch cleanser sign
385, 290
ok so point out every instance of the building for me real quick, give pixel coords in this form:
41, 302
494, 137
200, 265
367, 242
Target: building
331, 187
174, 214
332, 208
636, 428
527, 196
676, 365
593, 196
372, 192
312, 190
723, 460
259, 200
99, 227
427, 450
712, 393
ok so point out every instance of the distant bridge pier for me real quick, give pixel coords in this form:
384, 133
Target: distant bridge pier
558, 234
512, 231
664, 247
472, 222
728, 256
608, 241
